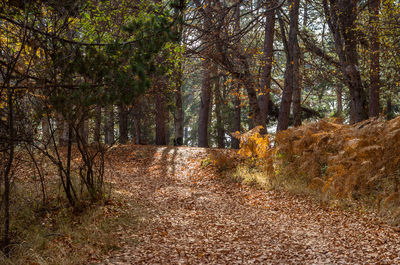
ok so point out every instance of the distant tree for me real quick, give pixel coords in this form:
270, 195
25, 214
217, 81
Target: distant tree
341, 16
292, 66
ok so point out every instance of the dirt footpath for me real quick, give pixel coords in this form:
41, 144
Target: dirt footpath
194, 217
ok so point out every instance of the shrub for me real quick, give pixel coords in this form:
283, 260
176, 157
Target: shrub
350, 161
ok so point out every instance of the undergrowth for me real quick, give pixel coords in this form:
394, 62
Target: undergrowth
54, 233
341, 165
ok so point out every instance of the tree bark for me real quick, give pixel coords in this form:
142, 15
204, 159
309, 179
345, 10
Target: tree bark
357, 95
186, 135
161, 115
292, 66
84, 131
97, 125
244, 75
218, 110
62, 129
45, 129
134, 117
123, 124
8, 166
389, 109
178, 114
296, 104
296, 108
305, 15
374, 6
109, 125
205, 100
231, 56
268, 56
137, 127
341, 17
339, 101
235, 143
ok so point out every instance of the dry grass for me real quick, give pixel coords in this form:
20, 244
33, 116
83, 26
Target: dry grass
57, 234
251, 176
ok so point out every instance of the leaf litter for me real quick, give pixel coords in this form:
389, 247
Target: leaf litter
194, 217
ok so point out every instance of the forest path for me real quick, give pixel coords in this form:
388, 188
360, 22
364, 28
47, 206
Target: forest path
195, 217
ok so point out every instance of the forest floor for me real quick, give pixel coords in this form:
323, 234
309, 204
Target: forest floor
191, 215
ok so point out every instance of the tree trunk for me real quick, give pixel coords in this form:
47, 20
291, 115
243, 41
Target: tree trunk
109, 125
374, 57
97, 125
297, 110
247, 79
62, 129
45, 129
84, 131
185, 135
357, 95
218, 113
137, 127
161, 115
341, 17
389, 110
67, 184
167, 132
292, 67
245, 76
268, 55
232, 57
123, 124
305, 15
256, 117
235, 144
204, 112
296, 88
339, 101
178, 114
7, 169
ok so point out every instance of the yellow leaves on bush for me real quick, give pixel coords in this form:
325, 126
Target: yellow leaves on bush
346, 160
252, 144
255, 145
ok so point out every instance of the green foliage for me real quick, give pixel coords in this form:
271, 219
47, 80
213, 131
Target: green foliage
118, 71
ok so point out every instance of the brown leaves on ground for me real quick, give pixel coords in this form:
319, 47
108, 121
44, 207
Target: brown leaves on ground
192, 216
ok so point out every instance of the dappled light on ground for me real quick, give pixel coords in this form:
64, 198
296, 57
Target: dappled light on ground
193, 216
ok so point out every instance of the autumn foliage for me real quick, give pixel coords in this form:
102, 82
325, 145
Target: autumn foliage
256, 146
342, 160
